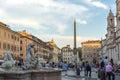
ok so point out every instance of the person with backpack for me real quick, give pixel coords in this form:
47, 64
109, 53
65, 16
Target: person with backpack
88, 69
101, 71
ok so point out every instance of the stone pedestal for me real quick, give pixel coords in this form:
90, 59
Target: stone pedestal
32, 75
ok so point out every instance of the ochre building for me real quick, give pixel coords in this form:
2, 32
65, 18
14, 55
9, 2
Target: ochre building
9, 40
55, 51
25, 39
90, 49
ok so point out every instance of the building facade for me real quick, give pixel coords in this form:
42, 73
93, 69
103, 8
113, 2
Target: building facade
25, 39
90, 49
9, 40
67, 54
41, 49
110, 46
17, 42
55, 51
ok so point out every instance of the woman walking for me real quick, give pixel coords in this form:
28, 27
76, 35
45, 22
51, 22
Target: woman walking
109, 69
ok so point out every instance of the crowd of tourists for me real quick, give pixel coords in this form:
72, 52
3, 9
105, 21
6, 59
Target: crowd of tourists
107, 69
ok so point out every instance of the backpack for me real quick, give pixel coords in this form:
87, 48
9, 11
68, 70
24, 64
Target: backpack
88, 68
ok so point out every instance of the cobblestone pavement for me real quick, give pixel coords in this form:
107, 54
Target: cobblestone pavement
77, 78
72, 76
117, 76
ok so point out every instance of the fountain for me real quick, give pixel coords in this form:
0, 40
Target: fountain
30, 70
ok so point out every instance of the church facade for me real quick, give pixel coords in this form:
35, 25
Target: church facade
110, 46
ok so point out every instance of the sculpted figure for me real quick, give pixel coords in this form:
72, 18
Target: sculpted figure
30, 52
9, 62
29, 56
36, 64
31, 62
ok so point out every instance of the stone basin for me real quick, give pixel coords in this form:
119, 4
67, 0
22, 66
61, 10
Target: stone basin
48, 74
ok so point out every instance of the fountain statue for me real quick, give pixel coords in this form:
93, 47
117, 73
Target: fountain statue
31, 61
9, 62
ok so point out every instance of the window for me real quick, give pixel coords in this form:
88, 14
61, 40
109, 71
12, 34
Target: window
4, 45
21, 54
14, 48
119, 18
8, 35
11, 36
20, 48
20, 41
17, 48
111, 20
9, 46
15, 37
4, 34
0, 45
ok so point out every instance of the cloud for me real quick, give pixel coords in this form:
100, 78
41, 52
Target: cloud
96, 3
25, 23
39, 13
62, 40
81, 21
61, 27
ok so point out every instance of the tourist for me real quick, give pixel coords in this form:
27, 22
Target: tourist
106, 61
102, 65
78, 69
88, 69
112, 73
65, 67
83, 66
47, 65
112, 62
97, 64
108, 70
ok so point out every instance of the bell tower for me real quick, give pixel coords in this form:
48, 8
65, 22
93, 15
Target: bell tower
110, 25
118, 14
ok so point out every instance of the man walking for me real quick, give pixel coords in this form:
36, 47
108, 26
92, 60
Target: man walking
65, 67
88, 69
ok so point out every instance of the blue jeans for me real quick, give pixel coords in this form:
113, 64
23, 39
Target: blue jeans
113, 76
110, 76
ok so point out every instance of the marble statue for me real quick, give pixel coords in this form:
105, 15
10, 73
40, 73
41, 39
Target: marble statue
31, 62
30, 52
36, 64
9, 62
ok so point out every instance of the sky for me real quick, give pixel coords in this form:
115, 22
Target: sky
54, 19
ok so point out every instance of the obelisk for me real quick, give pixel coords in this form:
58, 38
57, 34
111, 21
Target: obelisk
75, 50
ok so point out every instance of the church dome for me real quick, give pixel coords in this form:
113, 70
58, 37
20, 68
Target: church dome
52, 43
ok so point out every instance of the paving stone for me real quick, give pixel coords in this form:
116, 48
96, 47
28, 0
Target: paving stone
71, 75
